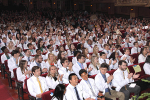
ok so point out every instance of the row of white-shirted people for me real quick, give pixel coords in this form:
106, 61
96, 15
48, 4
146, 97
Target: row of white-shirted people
53, 78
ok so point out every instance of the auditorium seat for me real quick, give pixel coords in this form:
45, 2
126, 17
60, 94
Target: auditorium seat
111, 72
70, 58
44, 75
135, 55
88, 64
92, 76
75, 44
47, 96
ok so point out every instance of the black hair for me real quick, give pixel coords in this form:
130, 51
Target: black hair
59, 91
121, 61
82, 71
29, 44
14, 52
104, 65
112, 56
147, 59
63, 60
3, 48
80, 56
48, 46
70, 76
101, 53
35, 68
76, 52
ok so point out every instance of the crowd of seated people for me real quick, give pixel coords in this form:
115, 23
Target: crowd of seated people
73, 47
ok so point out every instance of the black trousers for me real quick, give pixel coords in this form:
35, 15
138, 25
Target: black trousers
39, 99
135, 90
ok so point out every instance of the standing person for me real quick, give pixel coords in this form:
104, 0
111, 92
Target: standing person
122, 79
37, 84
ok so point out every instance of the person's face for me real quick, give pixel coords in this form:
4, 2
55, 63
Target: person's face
4, 40
123, 67
39, 52
51, 57
136, 38
72, 46
127, 40
65, 63
51, 48
103, 70
51, 42
86, 51
107, 47
103, 56
29, 52
136, 44
25, 65
40, 59
145, 51
22, 41
31, 47
62, 49
37, 72
82, 59
84, 76
53, 70
13, 37
41, 43
97, 49
100, 41
6, 50
95, 60
62, 54
116, 55
74, 80
127, 52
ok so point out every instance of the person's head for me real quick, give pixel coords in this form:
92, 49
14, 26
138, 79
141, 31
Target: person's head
103, 55
61, 55
72, 47
30, 46
113, 55
89, 42
122, 65
51, 57
51, 42
15, 53
85, 51
36, 71
40, 43
83, 74
61, 48
52, 71
4, 49
95, 49
60, 90
94, 60
117, 47
23, 65
143, 51
38, 51
38, 58
50, 48
27, 52
104, 68
136, 38
126, 51
127, 40
73, 79
22, 41
10, 44
4, 39
106, 46
81, 58
147, 59
136, 44
100, 41
64, 62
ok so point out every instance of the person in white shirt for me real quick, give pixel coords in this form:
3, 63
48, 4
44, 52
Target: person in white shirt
103, 59
15, 41
89, 46
136, 48
13, 62
61, 55
59, 93
80, 65
87, 55
30, 46
65, 70
23, 71
22, 45
146, 66
94, 65
95, 51
50, 50
38, 61
4, 42
107, 51
37, 84
143, 40
122, 79
114, 57
103, 82
100, 44
126, 44
136, 40
71, 50
126, 57
143, 55
75, 91
11, 46
6, 54
74, 59
53, 78
28, 56
88, 85
117, 49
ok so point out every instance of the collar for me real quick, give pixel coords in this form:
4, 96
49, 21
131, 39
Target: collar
79, 63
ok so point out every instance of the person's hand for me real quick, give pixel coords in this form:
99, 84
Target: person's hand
110, 62
109, 79
44, 70
123, 46
124, 58
85, 68
32, 60
132, 60
130, 75
61, 76
90, 69
135, 76
39, 95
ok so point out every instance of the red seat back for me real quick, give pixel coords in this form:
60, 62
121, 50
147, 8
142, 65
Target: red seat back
15, 74
92, 76
142, 70
88, 64
70, 58
25, 82
111, 72
136, 58
6, 64
46, 95
75, 44
44, 75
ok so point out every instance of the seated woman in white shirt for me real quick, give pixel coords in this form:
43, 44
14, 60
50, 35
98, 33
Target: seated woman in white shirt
114, 57
94, 65
59, 93
41, 45
87, 55
146, 66
61, 48
76, 38
80, 47
11, 46
143, 55
51, 60
67, 44
95, 51
117, 49
23, 71
60, 56
71, 50
20, 51
53, 78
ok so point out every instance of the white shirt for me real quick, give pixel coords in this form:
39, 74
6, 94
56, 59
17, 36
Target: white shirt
33, 85
127, 59
107, 61
24, 46
34, 64
100, 46
135, 50
94, 70
146, 68
108, 52
141, 58
70, 53
3, 57
74, 60
126, 45
119, 81
26, 58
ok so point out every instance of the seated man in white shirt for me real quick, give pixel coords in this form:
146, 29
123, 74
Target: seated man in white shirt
104, 83
136, 48
30, 46
88, 85
38, 61
74, 91
126, 44
4, 42
65, 70
22, 44
74, 59
100, 44
28, 56
36, 84
127, 58
107, 51
103, 59
80, 65
89, 46
13, 62
136, 40
50, 50
122, 79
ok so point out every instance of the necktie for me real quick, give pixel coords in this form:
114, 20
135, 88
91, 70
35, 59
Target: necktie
39, 85
5, 44
124, 78
88, 83
77, 93
104, 61
82, 66
107, 89
107, 52
22, 47
128, 44
28, 58
137, 50
66, 70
